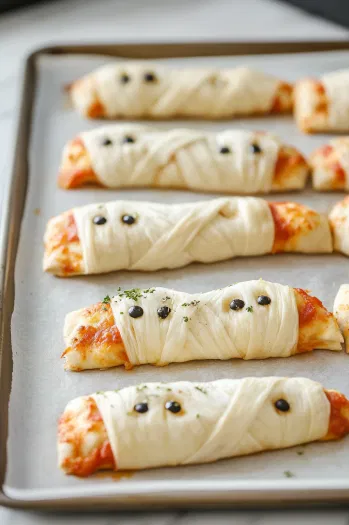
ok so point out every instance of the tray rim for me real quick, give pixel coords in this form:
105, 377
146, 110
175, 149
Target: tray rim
156, 493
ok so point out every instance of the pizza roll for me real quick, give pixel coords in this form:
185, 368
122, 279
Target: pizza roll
339, 222
323, 105
330, 165
131, 155
132, 235
145, 90
158, 326
195, 422
341, 312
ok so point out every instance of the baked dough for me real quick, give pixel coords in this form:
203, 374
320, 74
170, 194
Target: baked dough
143, 89
148, 236
248, 320
231, 161
341, 312
330, 165
339, 222
323, 105
195, 422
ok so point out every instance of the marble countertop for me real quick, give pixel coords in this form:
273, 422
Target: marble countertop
149, 21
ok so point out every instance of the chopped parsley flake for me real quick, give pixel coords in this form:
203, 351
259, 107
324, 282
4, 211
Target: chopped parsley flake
134, 294
100, 392
121, 313
185, 319
106, 299
197, 416
288, 474
201, 389
249, 309
169, 389
193, 303
141, 387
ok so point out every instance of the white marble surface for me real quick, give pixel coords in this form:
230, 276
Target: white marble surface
147, 20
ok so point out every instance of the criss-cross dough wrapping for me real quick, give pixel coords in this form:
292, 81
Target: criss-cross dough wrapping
234, 161
149, 236
330, 165
182, 423
323, 105
146, 90
247, 320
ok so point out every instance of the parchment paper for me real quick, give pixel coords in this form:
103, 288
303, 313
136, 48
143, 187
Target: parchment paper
41, 388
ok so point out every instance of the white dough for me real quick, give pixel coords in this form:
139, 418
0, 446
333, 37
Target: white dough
206, 93
341, 312
337, 91
339, 220
183, 158
203, 326
171, 236
225, 418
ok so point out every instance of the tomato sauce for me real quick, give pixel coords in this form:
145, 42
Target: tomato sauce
310, 308
283, 231
339, 422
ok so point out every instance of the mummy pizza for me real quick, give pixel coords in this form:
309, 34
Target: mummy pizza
323, 105
232, 161
158, 326
132, 235
195, 422
145, 90
330, 165
339, 222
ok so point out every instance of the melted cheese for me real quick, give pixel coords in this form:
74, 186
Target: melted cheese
203, 326
225, 418
179, 92
166, 236
337, 91
183, 158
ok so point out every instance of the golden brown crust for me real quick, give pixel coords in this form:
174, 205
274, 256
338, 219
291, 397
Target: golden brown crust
63, 252
83, 443
311, 106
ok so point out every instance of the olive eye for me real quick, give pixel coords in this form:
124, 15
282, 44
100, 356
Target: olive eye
124, 78
128, 140
99, 220
255, 148
141, 408
224, 150
135, 311
263, 300
128, 219
237, 304
163, 312
173, 407
282, 405
107, 142
150, 77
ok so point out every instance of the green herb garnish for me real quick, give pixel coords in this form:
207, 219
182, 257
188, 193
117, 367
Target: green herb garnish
185, 319
106, 299
201, 389
288, 474
249, 309
197, 416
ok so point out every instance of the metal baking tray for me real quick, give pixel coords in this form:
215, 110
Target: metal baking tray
33, 305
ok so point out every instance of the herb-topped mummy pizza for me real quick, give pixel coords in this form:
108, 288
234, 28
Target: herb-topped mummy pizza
131, 155
195, 422
330, 165
323, 105
248, 320
145, 90
132, 235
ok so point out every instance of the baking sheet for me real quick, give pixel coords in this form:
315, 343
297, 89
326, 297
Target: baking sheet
41, 388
